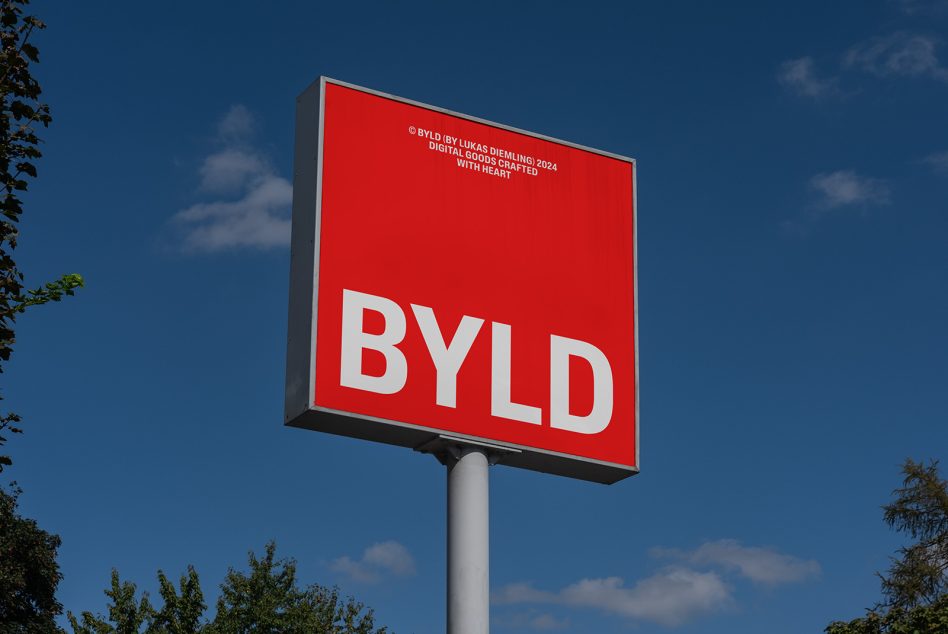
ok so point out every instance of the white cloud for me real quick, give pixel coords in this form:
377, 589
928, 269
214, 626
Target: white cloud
670, 597
231, 170
546, 622
760, 565
390, 556
937, 161
236, 125
521, 593
378, 560
252, 210
913, 7
533, 620
675, 594
836, 191
800, 76
846, 187
897, 54
255, 220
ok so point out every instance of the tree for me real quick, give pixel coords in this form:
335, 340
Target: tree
915, 590
180, 613
264, 599
920, 575
126, 613
268, 600
922, 619
20, 113
29, 573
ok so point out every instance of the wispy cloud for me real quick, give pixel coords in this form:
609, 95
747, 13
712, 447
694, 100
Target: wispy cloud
937, 161
922, 7
252, 201
546, 622
760, 565
695, 586
846, 187
521, 593
378, 561
799, 75
534, 620
237, 125
835, 192
670, 597
230, 170
900, 53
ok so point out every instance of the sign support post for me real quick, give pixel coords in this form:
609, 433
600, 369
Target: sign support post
467, 463
468, 541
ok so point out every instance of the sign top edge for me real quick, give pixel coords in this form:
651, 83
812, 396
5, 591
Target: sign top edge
323, 80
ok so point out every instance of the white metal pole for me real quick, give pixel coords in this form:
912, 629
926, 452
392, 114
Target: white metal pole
468, 554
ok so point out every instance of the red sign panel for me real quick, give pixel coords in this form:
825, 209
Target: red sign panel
454, 276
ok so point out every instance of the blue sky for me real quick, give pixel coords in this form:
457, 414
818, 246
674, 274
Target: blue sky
793, 214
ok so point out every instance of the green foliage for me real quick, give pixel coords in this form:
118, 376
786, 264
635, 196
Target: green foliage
51, 291
920, 509
265, 599
21, 113
29, 573
268, 600
922, 619
915, 590
180, 613
126, 613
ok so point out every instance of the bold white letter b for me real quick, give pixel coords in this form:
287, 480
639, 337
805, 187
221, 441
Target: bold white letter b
354, 340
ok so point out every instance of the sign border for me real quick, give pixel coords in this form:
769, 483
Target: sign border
299, 407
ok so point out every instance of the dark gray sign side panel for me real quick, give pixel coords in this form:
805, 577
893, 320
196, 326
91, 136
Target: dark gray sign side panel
304, 251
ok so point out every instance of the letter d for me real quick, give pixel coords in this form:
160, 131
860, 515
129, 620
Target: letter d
561, 349
354, 340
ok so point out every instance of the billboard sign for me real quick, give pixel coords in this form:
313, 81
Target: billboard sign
452, 276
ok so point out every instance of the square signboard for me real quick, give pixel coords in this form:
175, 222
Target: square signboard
453, 276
